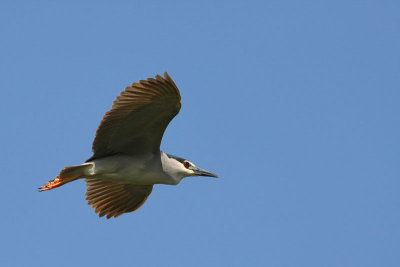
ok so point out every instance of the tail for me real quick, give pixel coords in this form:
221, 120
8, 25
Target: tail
68, 174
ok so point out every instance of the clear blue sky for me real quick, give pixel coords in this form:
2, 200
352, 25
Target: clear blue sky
295, 104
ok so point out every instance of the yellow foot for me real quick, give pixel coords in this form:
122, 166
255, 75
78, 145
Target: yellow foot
51, 184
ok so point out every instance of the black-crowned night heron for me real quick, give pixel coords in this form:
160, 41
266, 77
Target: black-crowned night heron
127, 160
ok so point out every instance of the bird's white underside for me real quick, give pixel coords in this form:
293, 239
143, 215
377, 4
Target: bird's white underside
140, 170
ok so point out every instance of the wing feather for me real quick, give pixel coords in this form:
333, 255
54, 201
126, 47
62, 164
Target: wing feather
138, 118
112, 199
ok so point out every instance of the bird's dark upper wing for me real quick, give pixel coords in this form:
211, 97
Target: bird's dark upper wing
138, 118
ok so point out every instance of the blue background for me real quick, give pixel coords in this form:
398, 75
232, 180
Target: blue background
295, 104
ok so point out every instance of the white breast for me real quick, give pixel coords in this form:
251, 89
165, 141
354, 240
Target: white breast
141, 170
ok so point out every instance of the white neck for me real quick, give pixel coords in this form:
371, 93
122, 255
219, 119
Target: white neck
173, 168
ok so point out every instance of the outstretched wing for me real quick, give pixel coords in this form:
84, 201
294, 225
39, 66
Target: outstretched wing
114, 199
138, 118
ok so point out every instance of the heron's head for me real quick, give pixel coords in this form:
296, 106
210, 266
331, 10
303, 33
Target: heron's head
185, 168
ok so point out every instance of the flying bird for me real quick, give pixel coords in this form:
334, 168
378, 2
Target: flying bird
127, 160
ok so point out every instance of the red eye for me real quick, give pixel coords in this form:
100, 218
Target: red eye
186, 164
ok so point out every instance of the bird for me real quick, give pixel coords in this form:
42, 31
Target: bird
127, 161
